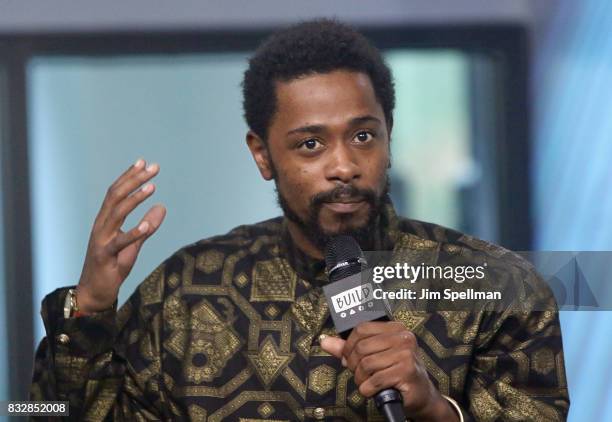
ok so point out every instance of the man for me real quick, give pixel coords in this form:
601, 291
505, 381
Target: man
236, 327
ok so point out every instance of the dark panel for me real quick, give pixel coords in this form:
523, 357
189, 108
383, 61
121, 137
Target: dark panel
16, 223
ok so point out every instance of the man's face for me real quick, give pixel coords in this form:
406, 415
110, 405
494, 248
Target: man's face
328, 147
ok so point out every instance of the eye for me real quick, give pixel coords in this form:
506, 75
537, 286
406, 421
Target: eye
363, 136
311, 144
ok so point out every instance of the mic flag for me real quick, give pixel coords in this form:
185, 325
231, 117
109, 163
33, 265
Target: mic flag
351, 301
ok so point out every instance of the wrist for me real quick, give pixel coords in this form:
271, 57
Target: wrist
86, 305
438, 409
71, 306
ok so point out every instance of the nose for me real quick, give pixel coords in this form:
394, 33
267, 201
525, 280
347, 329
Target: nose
342, 165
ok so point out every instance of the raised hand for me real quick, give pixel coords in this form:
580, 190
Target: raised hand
111, 252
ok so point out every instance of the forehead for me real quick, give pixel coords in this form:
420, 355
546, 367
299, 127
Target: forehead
325, 98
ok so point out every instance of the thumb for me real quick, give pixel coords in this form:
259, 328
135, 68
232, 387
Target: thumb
155, 216
332, 345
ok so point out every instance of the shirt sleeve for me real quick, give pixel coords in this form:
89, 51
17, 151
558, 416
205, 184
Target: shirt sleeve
518, 370
106, 365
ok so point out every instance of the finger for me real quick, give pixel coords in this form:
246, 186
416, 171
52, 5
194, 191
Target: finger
369, 329
332, 345
376, 362
123, 240
371, 345
117, 216
133, 169
117, 192
154, 217
386, 378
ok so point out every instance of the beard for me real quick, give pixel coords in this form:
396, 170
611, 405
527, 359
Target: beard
365, 234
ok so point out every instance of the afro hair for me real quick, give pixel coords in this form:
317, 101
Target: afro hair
316, 46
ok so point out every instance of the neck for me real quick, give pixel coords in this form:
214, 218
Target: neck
302, 242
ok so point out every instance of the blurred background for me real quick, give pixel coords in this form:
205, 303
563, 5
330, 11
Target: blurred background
501, 131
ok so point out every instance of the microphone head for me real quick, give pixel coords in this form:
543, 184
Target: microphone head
350, 293
343, 257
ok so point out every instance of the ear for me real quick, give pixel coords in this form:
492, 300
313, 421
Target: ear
260, 154
389, 129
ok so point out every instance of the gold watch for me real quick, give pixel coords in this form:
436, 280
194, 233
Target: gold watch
70, 304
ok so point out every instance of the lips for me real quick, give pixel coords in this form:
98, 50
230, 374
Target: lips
344, 207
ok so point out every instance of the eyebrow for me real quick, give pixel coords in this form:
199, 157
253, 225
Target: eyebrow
320, 128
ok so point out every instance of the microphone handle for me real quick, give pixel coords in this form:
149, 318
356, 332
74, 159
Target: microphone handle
389, 403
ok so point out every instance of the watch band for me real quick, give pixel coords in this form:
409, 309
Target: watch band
71, 307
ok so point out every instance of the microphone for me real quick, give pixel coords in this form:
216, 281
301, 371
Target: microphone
351, 300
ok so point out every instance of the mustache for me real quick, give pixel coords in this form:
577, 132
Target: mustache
343, 193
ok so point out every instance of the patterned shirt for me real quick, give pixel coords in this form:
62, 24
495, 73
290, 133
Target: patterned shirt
227, 329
